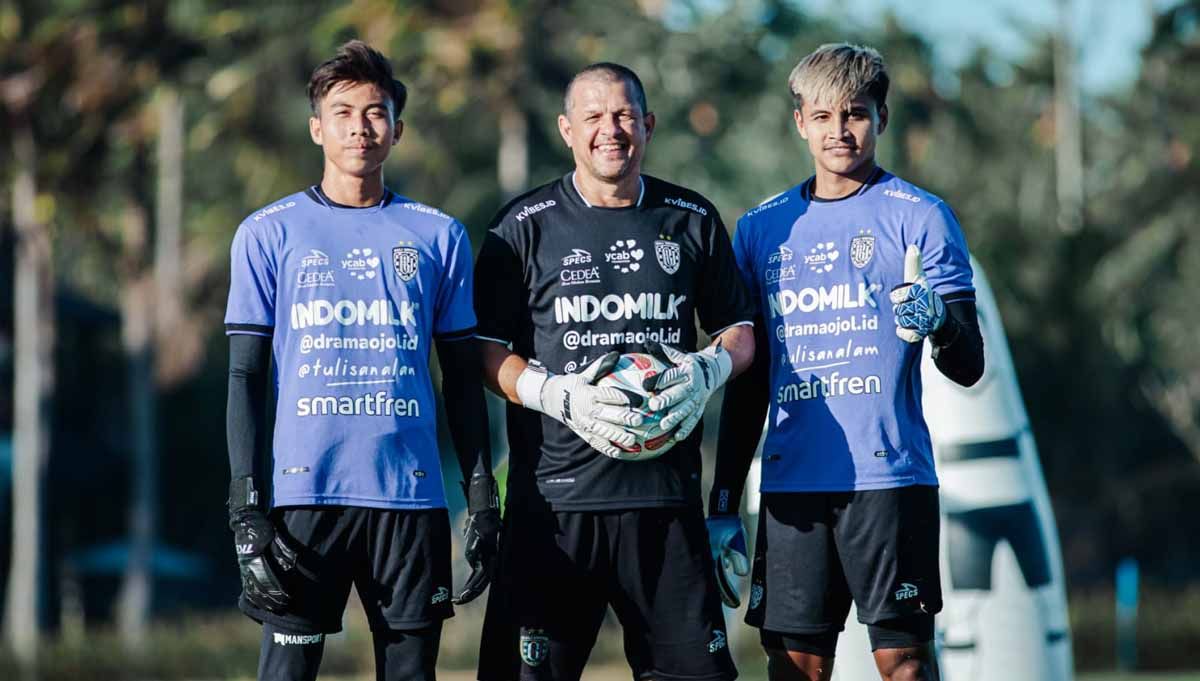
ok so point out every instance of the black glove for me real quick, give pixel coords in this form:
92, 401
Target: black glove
482, 535
263, 556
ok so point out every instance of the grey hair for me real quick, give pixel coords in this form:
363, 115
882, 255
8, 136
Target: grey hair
612, 72
836, 73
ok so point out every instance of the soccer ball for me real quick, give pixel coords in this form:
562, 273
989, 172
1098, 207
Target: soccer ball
628, 376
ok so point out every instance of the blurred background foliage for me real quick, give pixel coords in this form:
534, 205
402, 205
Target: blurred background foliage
138, 135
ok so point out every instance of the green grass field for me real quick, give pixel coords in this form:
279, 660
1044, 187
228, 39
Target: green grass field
225, 646
620, 673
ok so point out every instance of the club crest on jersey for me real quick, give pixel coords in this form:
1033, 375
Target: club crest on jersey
862, 247
535, 645
667, 253
404, 258
756, 596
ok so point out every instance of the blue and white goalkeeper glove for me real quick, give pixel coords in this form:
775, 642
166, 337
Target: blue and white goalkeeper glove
727, 538
918, 309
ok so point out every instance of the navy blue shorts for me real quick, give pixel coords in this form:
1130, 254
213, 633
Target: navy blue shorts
559, 572
398, 560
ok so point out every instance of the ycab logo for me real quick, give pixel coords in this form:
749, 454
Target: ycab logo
820, 258
624, 256
361, 263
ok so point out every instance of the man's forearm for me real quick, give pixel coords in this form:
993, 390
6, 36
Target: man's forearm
466, 410
738, 341
958, 345
743, 413
246, 409
501, 369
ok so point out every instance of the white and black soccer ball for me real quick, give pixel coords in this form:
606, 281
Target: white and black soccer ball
629, 376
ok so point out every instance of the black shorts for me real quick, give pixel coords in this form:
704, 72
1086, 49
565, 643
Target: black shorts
816, 551
398, 560
559, 570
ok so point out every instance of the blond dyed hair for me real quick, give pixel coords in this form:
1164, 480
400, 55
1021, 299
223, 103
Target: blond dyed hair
836, 73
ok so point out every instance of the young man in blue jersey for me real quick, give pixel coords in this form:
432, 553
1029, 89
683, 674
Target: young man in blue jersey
851, 271
340, 289
602, 261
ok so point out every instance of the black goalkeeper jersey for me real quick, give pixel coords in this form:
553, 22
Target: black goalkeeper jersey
565, 282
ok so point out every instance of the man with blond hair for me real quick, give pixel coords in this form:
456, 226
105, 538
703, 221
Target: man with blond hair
849, 506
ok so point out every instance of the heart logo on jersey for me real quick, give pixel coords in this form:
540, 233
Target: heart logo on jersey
624, 257
360, 263
820, 258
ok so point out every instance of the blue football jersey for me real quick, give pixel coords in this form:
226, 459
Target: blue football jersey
845, 390
352, 298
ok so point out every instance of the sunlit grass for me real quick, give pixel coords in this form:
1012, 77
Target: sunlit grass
225, 646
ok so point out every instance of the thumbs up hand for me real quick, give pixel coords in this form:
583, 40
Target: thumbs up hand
918, 309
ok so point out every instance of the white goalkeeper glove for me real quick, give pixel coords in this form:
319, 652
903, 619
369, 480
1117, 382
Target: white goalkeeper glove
727, 538
918, 309
597, 415
684, 389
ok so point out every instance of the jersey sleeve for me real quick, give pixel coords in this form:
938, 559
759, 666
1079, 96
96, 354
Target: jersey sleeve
723, 300
945, 256
252, 281
743, 255
454, 318
500, 297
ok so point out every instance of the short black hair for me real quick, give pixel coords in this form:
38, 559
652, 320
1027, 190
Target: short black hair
614, 71
356, 62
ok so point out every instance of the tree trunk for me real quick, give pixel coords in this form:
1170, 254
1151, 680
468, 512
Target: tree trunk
1068, 132
168, 240
33, 323
512, 158
137, 332
133, 608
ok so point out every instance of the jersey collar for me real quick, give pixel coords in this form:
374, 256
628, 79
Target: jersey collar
641, 191
314, 192
806, 189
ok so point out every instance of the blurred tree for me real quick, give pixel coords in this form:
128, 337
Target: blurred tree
34, 377
24, 62
1142, 287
